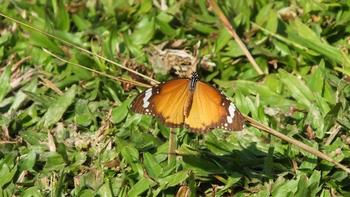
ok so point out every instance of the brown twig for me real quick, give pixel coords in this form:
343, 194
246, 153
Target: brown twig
51, 142
8, 142
233, 33
51, 85
6, 133
333, 132
295, 142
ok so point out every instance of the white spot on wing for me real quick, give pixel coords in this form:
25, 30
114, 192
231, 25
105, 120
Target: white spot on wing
231, 111
148, 95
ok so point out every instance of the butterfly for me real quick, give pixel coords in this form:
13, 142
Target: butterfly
190, 103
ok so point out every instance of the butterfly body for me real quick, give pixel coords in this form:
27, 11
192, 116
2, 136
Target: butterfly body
190, 103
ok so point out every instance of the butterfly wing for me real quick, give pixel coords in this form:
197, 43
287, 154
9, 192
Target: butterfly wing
210, 109
165, 101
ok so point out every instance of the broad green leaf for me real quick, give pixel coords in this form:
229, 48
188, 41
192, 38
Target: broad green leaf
32, 191
305, 31
282, 48
21, 96
313, 183
242, 102
105, 189
317, 80
87, 193
92, 179
284, 187
7, 174
233, 50
297, 88
202, 27
302, 187
27, 161
316, 119
54, 161
80, 22
119, 113
339, 176
40, 40
201, 166
145, 7
325, 193
223, 38
61, 15
174, 179
5, 82
5, 37
261, 17
272, 21
39, 99
309, 162
59, 106
130, 153
135, 50
230, 182
141, 186
329, 93
216, 146
152, 166
162, 21
311, 6
303, 35
268, 96
83, 116
143, 32
33, 137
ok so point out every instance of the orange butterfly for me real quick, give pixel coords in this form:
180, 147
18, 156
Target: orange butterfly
190, 103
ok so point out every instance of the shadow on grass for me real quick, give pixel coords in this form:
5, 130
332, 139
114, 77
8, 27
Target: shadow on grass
249, 162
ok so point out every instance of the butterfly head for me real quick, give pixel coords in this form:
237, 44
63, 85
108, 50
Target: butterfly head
195, 76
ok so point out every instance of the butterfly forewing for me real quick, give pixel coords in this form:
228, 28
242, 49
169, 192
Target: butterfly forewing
210, 109
233, 121
165, 101
204, 113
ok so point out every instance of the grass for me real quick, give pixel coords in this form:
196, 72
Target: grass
64, 112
